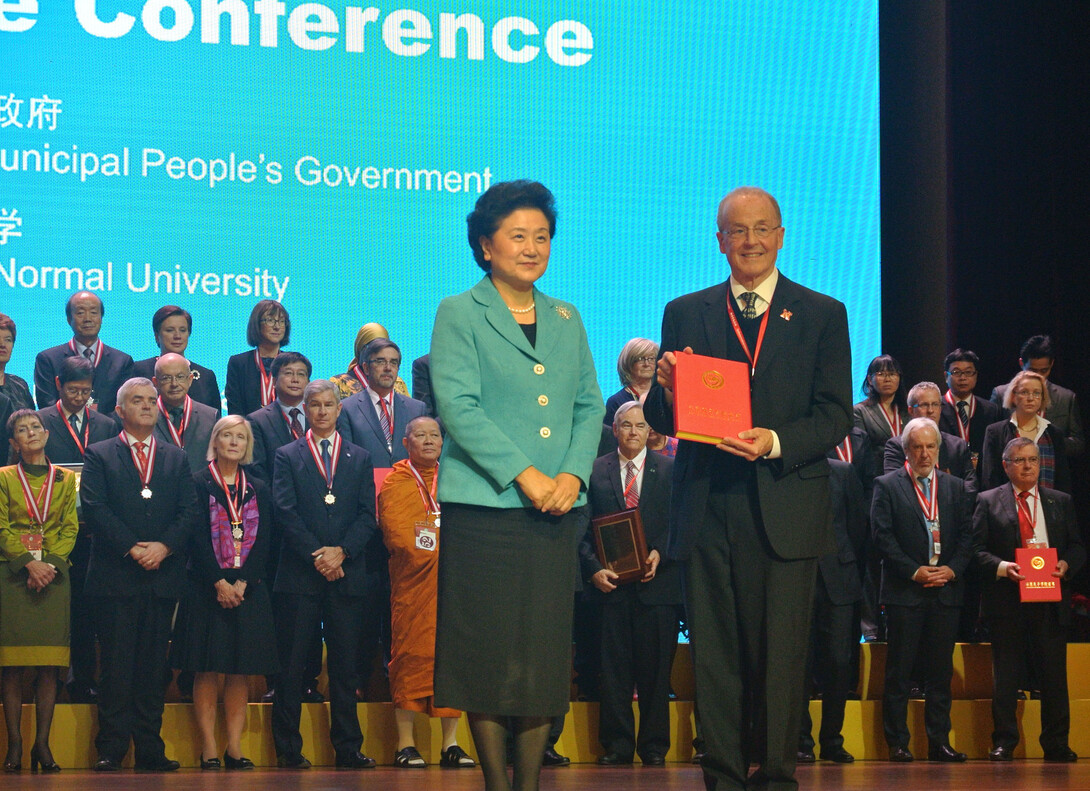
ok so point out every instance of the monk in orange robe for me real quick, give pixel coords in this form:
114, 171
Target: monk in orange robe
408, 514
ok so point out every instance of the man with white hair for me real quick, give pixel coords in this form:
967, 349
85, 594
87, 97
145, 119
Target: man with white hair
922, 522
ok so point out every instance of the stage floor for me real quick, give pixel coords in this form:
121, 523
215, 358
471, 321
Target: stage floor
863, 775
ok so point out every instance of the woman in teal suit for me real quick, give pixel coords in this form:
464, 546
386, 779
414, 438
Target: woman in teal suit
517, 393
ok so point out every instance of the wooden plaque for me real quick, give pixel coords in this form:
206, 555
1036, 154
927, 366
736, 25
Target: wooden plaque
621, 545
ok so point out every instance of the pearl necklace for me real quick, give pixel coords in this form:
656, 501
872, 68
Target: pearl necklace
520, 310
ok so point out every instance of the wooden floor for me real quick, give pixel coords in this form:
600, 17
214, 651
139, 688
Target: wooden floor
863, 775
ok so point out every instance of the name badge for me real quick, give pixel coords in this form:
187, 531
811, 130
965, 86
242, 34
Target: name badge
427, 538
32, 543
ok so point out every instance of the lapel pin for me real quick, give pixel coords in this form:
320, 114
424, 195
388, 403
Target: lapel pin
563, 311
786, 315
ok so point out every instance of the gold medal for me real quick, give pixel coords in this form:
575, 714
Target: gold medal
330, 498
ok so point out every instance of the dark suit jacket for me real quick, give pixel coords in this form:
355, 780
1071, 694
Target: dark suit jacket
996, 438
271, 432
307, 523
119, 517
422, 382
359, 423
867, 415
801, 390
984, 415
197, 434
113, 369
606, 496
900, 537
60, 448
954, 458
204, 389
995, 521
864, 462
243, 389
1063, 413
842, 571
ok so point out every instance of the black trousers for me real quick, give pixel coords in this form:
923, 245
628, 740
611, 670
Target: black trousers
748, 610
833, 647
929, 630
638, 646
1030, 634
81, 668
341, 618
134, 635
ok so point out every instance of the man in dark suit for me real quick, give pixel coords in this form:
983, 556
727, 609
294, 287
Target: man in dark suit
72, 429
373, 417
1019, 514
925, 400
139, 500
963, 414
324, 498
84, 311
638, 621
922, 523
834, 638
1038, 355
182, 421
750, 514
422, 383
284, 420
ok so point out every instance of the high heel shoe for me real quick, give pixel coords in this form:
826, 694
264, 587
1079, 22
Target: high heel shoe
211, 763
14, 764
47, 766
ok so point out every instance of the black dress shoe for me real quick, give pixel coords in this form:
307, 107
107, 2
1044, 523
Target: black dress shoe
1062, 756
107, 765
839, 755
946, 754
900, 755
292, 762
1001, 754
805, 757
553, 758
614, 759
163, 764
654, 759
311, 695
236, 764
354, 760
211, 764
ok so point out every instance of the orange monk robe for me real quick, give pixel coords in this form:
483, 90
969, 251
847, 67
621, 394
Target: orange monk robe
414, 578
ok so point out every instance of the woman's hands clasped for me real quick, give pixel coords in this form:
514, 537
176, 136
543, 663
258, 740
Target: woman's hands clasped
554, 496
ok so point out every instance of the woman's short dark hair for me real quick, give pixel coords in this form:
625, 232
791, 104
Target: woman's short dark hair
501, 200
266, 307
165, 313
15, 417
886, 362
6, 323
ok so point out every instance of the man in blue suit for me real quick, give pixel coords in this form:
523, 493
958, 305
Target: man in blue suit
324, 498
751, 513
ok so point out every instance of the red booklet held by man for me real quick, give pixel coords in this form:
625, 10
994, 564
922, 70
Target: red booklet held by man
711, 398
1037, 565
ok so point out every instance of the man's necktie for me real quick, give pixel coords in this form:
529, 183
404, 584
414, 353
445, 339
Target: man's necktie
631, 493
327, 462
73, 421
176, 413
296, 426
89, 353
925, 485
1025, 526
748, 300
141, 456
384, 419
963, 413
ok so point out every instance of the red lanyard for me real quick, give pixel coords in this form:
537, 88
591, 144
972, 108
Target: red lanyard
894, 421
334, 452
234, 504
287, 420
82, 446
635, 477
388, 413
741, 338
1023, 506
37, 507
431, 504
177, 434
97, 348
268, 391
929, 505
844, 450
145, 472
354, 369
963, 428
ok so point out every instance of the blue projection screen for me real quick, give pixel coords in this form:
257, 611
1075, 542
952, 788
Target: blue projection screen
209, 153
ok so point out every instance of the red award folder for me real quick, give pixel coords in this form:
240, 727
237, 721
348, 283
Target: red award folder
711, 398
1037, 565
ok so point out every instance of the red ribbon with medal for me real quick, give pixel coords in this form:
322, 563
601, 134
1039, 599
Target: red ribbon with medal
177, 434
426, 536
930, 507
335, 454
234, 506
844, 450
893, 419
268, 388
144, 472
354, 369
37, 509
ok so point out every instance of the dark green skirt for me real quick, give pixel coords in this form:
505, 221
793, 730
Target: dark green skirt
34, 626
504, 626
